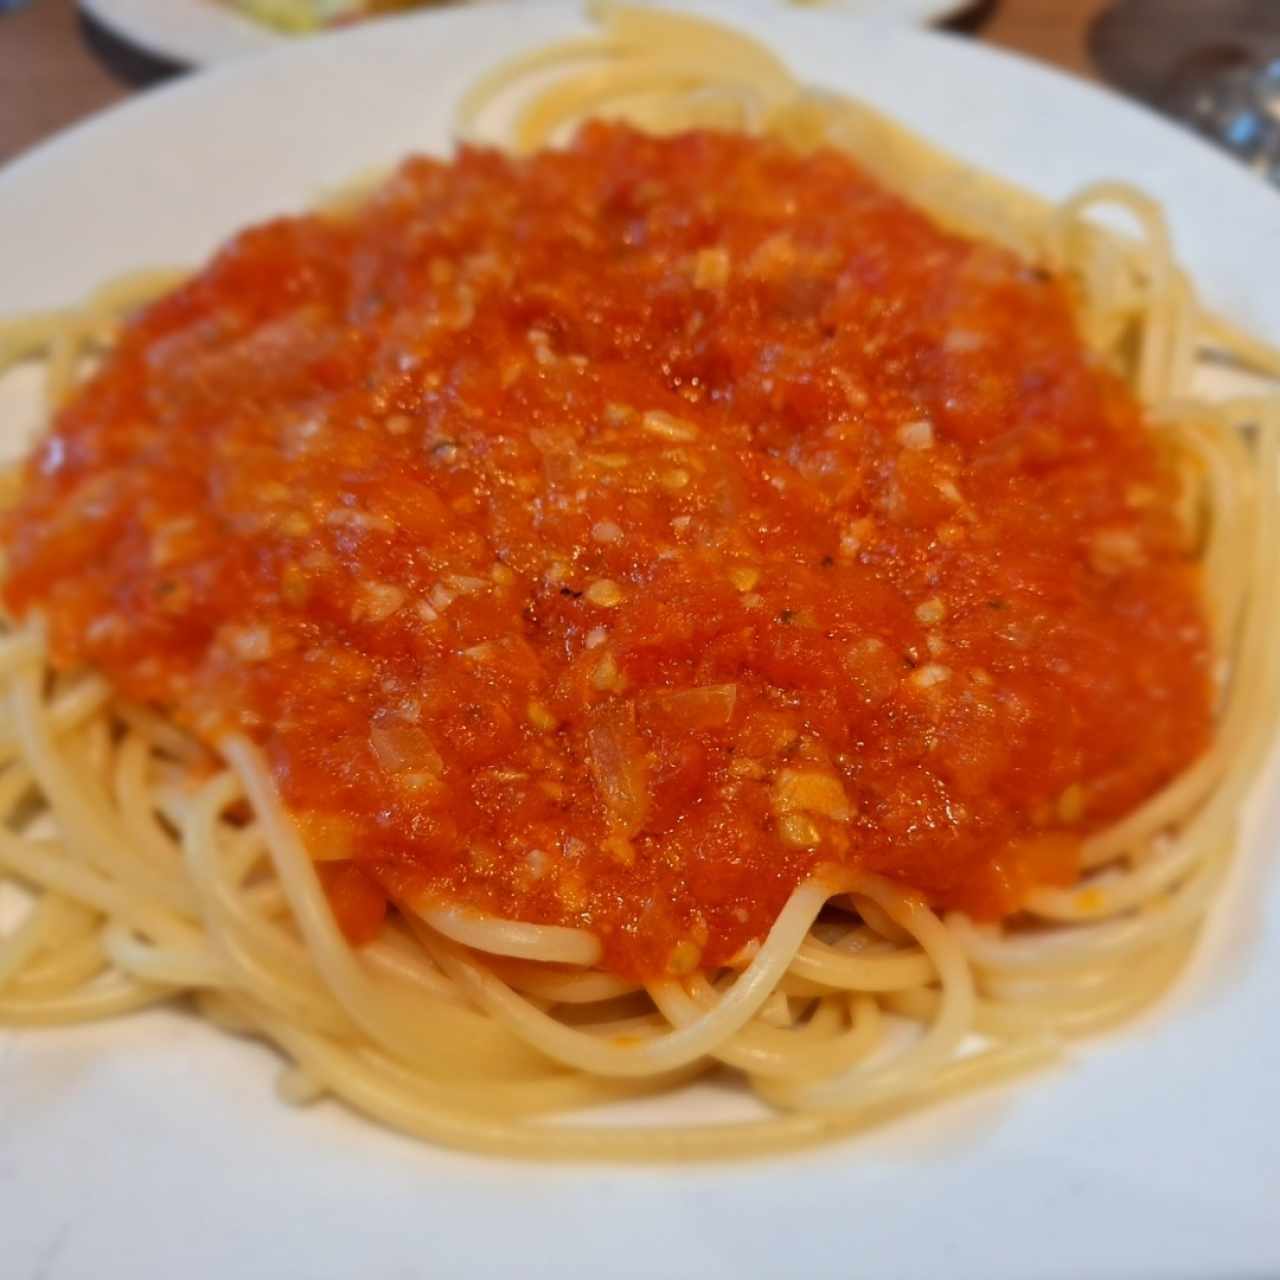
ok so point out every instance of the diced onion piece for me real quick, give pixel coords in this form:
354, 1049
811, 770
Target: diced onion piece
916, 435
932, 673
798, 831
618, 766
931, 611
606, 676
541, 717
808, 791
377, 601
327, 837
400, 746
708, 707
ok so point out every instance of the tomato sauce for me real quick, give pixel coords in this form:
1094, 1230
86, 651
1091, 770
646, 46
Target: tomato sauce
612, 537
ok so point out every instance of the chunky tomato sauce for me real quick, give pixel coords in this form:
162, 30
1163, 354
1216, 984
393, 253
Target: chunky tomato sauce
612, 537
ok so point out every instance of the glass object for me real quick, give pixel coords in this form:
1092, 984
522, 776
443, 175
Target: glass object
1213, 64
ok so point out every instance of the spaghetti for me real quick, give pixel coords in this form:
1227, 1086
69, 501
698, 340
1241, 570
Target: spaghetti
161, 870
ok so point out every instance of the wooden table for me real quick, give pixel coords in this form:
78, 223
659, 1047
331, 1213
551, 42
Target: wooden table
50, 77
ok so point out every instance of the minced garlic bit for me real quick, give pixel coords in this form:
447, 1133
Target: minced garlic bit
685, 957
294, 585
168, 541
773, 258
620, 849
595, 638
916, 435
610, 461
249, 644
1070, 804
711, 268
1113, 551
604, 593
669, 427
444, 451
354, 519
809, 791
744, 577
854, 538
606, 531
964, 340
931, 611
678, 478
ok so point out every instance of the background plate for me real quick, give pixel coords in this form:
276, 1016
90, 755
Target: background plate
155, 1147
199, 32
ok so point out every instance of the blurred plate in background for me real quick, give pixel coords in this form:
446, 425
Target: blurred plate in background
200, 32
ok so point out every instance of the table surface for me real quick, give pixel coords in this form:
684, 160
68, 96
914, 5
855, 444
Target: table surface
50, 76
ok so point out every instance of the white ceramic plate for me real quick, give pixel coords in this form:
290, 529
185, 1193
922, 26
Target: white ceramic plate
201, 32
154, 1147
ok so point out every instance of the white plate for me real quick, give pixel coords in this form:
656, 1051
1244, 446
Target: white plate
201, 32
154, 1147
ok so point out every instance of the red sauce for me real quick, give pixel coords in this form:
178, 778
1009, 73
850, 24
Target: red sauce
610, 538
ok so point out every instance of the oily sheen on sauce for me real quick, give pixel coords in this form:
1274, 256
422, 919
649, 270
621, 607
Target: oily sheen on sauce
612, 537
